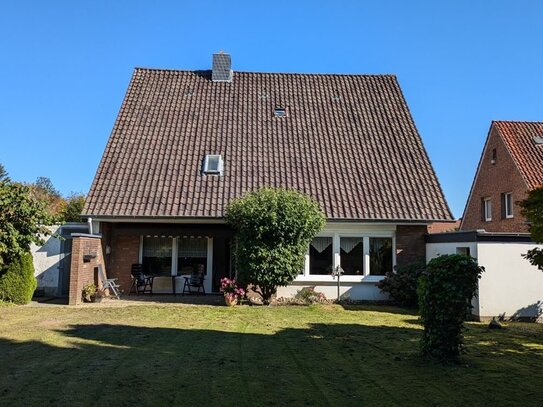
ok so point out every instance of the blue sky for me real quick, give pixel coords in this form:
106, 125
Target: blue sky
64, 68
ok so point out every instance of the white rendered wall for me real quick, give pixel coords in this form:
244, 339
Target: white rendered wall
437, 249
46, 260
510, 286
353, 291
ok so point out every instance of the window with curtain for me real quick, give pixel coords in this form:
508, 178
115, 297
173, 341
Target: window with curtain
320, 256
191, 255
352, 255
380, 255
157, 256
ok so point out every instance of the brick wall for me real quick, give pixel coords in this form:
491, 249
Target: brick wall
124, 252
410, 244
493, 180
81, 272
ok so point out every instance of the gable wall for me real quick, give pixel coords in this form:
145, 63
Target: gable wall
493, 180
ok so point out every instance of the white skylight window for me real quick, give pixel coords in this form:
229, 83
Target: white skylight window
213, 164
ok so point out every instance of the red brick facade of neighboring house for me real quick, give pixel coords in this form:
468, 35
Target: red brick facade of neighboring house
511, 162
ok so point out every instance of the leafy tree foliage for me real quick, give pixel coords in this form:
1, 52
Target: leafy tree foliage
402, 284
532, 209
22, 220
17, 281
445, 291
45, 185
273, 230
73, 206
44, 191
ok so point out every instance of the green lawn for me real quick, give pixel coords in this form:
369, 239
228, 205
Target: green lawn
251, 356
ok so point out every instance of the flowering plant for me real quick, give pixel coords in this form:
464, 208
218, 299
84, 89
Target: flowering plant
230, 289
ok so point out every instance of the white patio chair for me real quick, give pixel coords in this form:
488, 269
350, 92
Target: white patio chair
109, 283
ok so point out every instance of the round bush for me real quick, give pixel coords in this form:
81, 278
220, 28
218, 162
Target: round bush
402, 284
17, 281
273, 229
445, 291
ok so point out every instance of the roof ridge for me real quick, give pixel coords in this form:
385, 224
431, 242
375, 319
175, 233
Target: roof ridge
140, 68
517, 121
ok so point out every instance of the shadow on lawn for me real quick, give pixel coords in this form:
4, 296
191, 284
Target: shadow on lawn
325, 364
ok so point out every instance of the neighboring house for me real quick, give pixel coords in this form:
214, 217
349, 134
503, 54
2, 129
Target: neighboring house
510, 287
440, 227
511, 164
185, 143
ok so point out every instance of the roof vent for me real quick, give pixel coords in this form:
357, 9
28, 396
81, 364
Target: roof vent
222, 68
279, 112
538, 140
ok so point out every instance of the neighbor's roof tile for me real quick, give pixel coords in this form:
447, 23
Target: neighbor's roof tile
519, 139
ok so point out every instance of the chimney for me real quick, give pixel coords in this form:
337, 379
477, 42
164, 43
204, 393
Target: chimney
222, 68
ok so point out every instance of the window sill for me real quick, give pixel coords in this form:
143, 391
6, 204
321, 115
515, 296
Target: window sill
344, 279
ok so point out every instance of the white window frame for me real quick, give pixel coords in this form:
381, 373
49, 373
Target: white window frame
179, 282
220, 165
487, 209
508, 207
336, 257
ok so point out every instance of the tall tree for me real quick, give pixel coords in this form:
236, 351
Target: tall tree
3, 173
23, 221
532, 210
44, 191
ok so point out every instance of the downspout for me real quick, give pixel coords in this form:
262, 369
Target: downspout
89, 221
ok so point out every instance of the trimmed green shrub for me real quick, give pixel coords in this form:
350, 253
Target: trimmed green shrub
445, 291
273, 229
17, 281
402, 284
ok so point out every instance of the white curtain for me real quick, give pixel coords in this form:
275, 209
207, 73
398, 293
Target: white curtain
349, 243
157, 247
192, 247
320, 244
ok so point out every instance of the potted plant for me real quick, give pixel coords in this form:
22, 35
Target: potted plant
89, 292
232, 293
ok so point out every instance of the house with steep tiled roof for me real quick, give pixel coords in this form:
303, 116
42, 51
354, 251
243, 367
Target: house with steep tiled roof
511, 164
185, 143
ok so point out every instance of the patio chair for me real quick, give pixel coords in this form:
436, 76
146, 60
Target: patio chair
109, 283
141, 283
196, 280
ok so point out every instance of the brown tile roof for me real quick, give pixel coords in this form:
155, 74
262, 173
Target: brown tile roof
528, 156
348, 140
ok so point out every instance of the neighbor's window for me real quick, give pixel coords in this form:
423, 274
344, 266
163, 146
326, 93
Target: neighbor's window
508, 205
213, 164
352, 255
494, 156
191, 255
320, 256
157, 256
487, 209
380, 255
